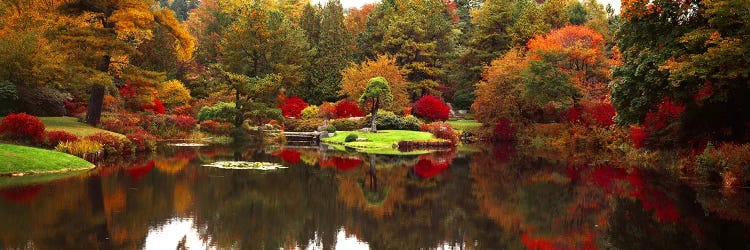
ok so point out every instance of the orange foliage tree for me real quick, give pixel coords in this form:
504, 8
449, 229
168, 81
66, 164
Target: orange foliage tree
579, 51
356, 76
499, 93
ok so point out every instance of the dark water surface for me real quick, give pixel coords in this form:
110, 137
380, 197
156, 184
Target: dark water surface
497, 199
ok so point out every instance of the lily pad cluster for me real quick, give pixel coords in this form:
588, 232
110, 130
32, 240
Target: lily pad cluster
246, 165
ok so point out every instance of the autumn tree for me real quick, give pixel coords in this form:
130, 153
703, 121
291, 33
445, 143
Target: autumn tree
355, 77
377, 93
500, 93
685, 53
101, 49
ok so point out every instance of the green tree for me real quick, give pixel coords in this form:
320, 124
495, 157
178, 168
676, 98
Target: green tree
262, 42
331, 51
377, 93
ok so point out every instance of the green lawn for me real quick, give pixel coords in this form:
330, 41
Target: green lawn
71, 125
382, 142
465, 125
28, 160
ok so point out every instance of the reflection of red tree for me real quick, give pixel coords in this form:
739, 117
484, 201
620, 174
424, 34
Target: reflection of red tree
651, 198
536, 243
21, 195
340, 163
427, 168
504, 151
289, 156
137, 172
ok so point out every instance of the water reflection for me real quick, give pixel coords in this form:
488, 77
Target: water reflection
498, 199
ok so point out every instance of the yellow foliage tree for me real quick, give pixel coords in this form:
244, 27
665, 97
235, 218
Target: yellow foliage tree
356, 76
173, 93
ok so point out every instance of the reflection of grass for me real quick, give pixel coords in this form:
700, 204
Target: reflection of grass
20, 159
469, 148
71, 125
465, 125
35, 179
382, 142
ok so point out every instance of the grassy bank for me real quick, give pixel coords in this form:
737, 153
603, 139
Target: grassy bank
382, 142
71, 125
28, 160
465, 125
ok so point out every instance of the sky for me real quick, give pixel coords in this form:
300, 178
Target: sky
356, 3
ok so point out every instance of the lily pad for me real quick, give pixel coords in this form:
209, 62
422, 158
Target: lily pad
246, 165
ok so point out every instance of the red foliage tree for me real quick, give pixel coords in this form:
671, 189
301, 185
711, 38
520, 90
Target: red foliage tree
347, 108
22, 126
431, 108
292, 106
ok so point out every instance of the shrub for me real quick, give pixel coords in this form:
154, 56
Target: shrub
186, 109
351, 138
113, 145
22, 127
8, 96
331, 129
327, 110
173, 93
142, 141
80, 147
156, 107
40, 101
728, 164
54, 138
347, 124
599, 114
347, 108
310, 112
504, 130
217, 128
292, 106
184, 122
431, 108
441, 130
308, 125
220, 112
389, 120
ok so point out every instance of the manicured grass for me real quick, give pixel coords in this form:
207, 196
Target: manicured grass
382, 142
465, 125
28, 160
71, 125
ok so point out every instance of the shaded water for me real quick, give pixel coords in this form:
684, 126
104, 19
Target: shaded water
496, 199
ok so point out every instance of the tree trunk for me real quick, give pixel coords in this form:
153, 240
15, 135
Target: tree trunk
375, 105
96, 101
238, 116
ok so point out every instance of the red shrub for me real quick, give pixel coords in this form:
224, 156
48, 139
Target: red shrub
441, 130
56, 137
214, 127
637, 135
431, 108
185, 122
186, 109
667, 112
74, 108
574, 114
157, 107
113, 145
23, 127
142, 141
327, 110
127, 90
504, 130
292, 106
600, 114
347, 108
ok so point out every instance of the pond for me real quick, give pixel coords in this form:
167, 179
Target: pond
492, 198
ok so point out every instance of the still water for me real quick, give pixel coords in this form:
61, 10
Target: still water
494, 198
